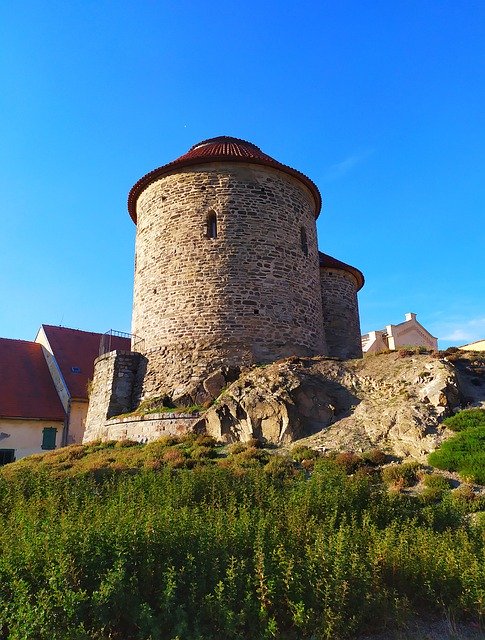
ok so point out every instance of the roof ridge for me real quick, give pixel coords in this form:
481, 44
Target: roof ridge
55, 326
20, 340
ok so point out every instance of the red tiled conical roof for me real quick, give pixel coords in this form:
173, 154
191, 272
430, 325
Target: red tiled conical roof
327, 262
220, 149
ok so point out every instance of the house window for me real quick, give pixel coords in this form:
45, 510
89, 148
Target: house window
6, 456
304, 241
49, 438
212, 225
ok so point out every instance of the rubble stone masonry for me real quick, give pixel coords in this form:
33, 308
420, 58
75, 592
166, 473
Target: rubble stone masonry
341, 313
115, 389
226, 271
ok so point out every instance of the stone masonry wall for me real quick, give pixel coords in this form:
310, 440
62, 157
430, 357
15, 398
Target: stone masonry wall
248, 295
341, 313
113, 390
149, 427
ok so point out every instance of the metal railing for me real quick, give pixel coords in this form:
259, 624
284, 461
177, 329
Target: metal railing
107, 342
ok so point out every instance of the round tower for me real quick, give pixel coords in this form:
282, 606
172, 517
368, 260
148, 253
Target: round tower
226, 264
339, 285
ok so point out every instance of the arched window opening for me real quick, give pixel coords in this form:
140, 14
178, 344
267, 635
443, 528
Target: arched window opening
212, 225
304, 241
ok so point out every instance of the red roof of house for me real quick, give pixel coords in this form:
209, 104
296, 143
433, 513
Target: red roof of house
220, 149
327, 262
26, 386
75, 352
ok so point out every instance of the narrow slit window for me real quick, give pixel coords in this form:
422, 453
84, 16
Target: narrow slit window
212, 225
304, 241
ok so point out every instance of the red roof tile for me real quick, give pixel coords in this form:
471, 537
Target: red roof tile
220, 149
26, 386
75, 352
328, 262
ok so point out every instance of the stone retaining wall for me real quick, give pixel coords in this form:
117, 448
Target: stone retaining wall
148, 427
115, 389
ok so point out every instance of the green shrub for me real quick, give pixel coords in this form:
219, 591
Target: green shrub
251, 456
349, 461
205, 440
406, 351
279, 466
302, 452
465, 494
200, 452
434, 486
121, 444
237, 447
436, 481
375, 457
467, 419
464, 453
164, 441
174, 457
400, 476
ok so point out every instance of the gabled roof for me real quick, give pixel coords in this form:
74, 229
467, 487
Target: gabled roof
221, 149
411, 319
328, 262
75, 352
26, 386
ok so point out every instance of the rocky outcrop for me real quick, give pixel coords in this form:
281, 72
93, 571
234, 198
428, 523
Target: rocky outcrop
389, 401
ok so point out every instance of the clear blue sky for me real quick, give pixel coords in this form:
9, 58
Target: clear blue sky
381, 103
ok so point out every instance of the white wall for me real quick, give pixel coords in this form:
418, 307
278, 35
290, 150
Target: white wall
25, 436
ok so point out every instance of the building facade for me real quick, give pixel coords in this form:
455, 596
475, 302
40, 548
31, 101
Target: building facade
409, 333
44, 388
32, 418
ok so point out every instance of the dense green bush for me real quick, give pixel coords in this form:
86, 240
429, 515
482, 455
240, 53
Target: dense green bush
257, 550
467, 419
302, 452
464, 453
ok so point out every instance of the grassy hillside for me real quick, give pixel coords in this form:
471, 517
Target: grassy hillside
176, 539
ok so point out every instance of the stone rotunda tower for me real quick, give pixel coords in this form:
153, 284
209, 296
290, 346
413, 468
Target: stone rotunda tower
226, 266
227, 275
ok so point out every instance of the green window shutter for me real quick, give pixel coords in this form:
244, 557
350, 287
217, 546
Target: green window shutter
49, 438
6, 456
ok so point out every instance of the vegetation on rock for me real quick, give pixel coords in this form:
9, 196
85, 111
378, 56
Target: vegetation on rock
465, 452
467, 419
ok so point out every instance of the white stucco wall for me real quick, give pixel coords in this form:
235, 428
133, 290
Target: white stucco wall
406, 334
77, 421
479, 345
25, 436
410, 333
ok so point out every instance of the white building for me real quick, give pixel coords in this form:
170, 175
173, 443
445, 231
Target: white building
409, 333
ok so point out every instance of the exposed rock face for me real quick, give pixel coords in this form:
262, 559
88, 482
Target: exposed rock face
388, 401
